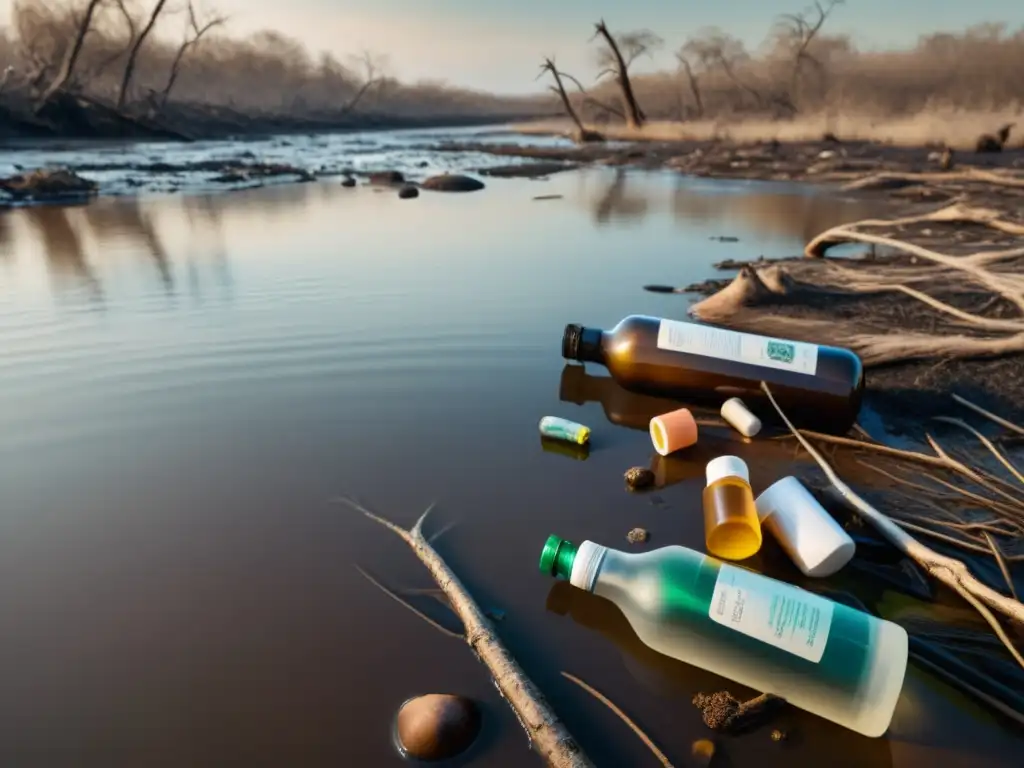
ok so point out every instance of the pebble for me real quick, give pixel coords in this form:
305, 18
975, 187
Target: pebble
436, 726
639, 477
778, 735
348, 181
703, 752
408, 192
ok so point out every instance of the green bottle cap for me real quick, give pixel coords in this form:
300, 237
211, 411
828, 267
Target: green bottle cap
557, 558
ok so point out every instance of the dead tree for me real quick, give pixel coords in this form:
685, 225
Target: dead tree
129, 22
582, 133
373, 76
796, 32
194, 33
70, 60
691, 79
133, 54
617, 57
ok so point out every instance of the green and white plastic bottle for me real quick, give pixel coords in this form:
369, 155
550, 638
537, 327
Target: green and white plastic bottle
821, 656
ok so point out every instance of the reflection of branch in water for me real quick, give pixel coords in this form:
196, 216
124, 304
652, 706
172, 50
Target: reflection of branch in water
6, 236
769, 213
125, 217
208, 210
615, 203
62, 247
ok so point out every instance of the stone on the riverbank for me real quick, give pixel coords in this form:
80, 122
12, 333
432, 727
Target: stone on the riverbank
408, 192
348, 181
452, 182
48, 184
437, 726
386, 177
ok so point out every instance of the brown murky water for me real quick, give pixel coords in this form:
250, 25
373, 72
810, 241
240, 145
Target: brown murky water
187, 381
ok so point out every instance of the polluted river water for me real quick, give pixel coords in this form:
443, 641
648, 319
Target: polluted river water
189, 379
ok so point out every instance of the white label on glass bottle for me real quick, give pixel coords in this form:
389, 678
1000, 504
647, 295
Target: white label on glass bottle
696, 339
787, 617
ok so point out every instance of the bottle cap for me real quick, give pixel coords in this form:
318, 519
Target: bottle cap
727, 466
814, 541
557, 557
673, 431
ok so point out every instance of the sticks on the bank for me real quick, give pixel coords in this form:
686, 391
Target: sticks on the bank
950, 571
548, 736
623, 717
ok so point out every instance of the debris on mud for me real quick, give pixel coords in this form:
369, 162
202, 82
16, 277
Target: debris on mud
724, 712
46, 185
637, 536
638, 478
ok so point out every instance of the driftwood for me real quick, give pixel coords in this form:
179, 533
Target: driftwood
548, 736
989, 276
948, 570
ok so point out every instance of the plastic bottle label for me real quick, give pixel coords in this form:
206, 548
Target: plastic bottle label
724, 344
787, 617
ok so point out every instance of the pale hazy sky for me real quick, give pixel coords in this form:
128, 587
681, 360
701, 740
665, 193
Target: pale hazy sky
497, 44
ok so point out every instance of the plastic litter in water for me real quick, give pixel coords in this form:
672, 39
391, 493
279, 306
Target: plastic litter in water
814, 541
673, 431
736, 414
731, 528
562, 429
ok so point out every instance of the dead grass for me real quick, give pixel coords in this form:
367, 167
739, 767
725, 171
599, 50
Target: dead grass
958, 129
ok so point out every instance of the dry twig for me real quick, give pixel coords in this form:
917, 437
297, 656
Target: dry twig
950, 571
548, 736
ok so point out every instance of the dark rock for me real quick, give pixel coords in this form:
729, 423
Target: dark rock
436, 726
348, 181
638, 478
387, 177
408, 192
452, 182
48, 184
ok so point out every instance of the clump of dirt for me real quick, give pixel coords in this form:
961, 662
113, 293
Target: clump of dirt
724, 712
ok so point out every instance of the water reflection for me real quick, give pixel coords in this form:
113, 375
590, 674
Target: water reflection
765, 209
666, 677
128, 218
60, 241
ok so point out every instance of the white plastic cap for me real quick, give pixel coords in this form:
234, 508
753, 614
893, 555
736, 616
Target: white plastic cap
736, 413
814, 541
727, 466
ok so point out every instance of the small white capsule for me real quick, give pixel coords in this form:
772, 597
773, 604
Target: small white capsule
741, 419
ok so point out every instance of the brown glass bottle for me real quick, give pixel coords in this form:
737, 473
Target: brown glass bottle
818, 387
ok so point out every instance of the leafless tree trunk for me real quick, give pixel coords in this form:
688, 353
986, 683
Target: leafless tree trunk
549, 66
635, 117
800, 31
130, 24
129, 67
197, 31
691, 79
371, 78
67, 67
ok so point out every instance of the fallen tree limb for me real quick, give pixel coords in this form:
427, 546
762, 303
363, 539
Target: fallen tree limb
548, 736
948, 570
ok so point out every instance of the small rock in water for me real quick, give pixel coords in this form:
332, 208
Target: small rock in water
348, 181
637, 536
436, 726
639, 477
387, 177
408, 192
703, 752
452, 182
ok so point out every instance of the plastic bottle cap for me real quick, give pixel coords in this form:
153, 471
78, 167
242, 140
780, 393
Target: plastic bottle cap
727, 466
814, 541
673, 431
557, 557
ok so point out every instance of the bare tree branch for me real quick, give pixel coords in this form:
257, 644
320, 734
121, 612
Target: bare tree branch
618, 54
70, 60
195, 32
129, 67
